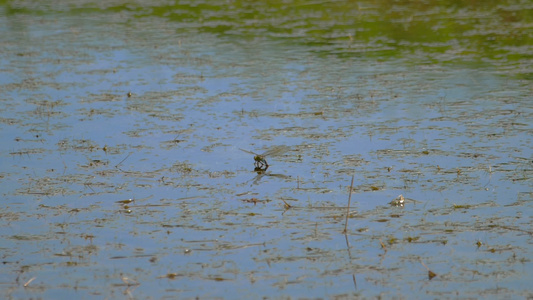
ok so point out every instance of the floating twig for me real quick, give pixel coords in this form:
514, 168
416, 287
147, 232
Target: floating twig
383, 245
431, 274
122, 161
29, 281
287, 205
129, 282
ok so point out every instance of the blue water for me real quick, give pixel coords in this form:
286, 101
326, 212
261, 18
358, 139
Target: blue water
455, 140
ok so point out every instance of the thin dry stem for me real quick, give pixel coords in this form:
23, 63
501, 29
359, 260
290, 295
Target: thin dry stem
348, 211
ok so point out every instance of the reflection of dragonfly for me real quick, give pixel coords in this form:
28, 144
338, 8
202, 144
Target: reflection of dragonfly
260, 159
262, 173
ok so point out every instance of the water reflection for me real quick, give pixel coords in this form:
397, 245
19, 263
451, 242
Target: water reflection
121, 168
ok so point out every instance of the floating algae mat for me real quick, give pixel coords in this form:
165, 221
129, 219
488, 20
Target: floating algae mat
122, 174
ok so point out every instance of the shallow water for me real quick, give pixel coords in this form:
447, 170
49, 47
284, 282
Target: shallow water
122, 174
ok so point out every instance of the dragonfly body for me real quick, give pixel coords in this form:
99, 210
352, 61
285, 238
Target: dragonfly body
260, 161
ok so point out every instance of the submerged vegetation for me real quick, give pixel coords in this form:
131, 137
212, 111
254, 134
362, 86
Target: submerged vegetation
123, 125
470, 32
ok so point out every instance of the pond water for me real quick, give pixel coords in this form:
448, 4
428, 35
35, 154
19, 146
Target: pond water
122, 125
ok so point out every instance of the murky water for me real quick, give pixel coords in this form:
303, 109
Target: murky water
122, 174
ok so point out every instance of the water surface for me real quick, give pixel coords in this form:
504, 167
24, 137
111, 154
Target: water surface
122, 174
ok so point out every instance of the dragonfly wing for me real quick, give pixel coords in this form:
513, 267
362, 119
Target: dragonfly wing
249, 152
276, 150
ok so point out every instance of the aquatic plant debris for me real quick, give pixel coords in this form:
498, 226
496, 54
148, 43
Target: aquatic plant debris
121, 171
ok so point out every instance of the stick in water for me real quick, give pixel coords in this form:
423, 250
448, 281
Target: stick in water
348, 212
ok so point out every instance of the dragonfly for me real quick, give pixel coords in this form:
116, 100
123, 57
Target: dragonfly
260, 159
